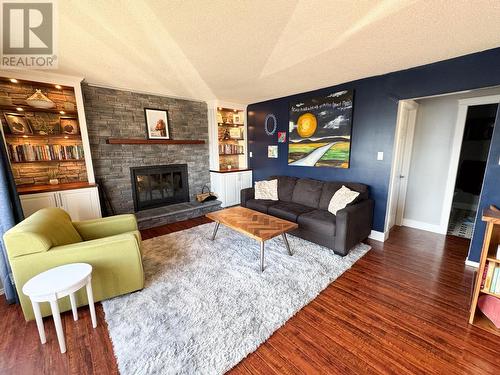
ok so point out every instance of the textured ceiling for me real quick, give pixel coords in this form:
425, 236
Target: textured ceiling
248, 51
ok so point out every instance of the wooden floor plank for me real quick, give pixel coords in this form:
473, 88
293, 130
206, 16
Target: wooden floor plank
402, 308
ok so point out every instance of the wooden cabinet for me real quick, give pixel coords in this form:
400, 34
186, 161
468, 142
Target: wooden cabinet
80, 204
228, 185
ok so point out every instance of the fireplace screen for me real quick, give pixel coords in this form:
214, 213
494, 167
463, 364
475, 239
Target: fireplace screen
159, 185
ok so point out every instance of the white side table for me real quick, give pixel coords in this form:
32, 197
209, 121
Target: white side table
57, 283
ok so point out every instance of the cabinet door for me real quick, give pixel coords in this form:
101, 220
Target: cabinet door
34, 202
246, 179
232, 188
81, 204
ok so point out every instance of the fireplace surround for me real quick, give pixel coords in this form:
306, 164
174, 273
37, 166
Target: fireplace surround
159, 185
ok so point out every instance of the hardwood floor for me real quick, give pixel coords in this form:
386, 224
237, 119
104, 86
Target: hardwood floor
401, 309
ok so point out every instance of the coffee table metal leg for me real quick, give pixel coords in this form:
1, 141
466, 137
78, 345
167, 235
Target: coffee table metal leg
215, 230
262, 256
285, 240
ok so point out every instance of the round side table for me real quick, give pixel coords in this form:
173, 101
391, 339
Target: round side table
57, 283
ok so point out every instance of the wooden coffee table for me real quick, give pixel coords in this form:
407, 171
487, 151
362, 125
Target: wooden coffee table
254, 224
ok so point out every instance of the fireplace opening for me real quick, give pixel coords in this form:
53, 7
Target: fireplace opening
159, 185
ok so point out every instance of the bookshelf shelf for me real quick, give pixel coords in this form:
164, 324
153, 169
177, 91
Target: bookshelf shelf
26, 108
47, 161
20, 137
483, 282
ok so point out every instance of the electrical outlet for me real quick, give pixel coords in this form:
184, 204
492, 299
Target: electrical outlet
251, 154
380, 155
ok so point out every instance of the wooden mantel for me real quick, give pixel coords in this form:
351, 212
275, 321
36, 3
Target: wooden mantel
141, 141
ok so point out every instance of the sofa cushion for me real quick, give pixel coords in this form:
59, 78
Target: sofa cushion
318, 221
288, 210
329, 188
285, 188
261, 205
307, 192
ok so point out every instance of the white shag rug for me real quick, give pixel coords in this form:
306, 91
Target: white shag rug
206, 305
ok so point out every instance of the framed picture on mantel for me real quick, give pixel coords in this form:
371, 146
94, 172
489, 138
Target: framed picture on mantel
157, 123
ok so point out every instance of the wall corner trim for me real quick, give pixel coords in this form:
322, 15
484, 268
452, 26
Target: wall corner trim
471, 263
378, 236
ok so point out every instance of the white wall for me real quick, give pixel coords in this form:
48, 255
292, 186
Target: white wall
429, 167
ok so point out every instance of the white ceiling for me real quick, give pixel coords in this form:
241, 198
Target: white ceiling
251, 50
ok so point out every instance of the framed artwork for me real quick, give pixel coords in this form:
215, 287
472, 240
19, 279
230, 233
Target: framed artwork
235, 133
320, 131
281, 137
237, 118
17, 123
272, 152
69, 125
156, 123
45, 125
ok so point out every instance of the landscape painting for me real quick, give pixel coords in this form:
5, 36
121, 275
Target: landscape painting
320, 131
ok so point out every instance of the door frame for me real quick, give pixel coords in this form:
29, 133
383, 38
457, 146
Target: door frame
463, 106
402, 153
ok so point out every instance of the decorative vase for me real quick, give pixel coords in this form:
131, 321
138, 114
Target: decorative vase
53, 181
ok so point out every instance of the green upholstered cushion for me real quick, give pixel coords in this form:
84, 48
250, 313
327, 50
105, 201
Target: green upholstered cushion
44, 229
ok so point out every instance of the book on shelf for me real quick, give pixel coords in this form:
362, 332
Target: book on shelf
28, 152
490, 282
230, 149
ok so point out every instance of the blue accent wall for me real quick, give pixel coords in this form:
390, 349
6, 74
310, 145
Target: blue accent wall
374, 123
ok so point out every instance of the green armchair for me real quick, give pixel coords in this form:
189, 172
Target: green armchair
49, 238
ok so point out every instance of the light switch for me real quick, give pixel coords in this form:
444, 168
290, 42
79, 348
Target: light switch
380, 155
251, 154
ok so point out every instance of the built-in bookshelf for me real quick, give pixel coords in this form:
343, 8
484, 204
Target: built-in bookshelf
42, 143
488, 275
231, 139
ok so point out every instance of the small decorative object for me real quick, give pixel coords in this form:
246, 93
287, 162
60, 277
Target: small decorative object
219, 118
69, 106
281, 137
270, 124
235, 133
52, 173
205, 196
237, 118
69, 125
17, 123
321, 125
38, 100
157, 123
272, 152
229, 166
5, 100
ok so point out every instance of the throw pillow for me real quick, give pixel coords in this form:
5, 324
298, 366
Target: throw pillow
341, 198
266, 190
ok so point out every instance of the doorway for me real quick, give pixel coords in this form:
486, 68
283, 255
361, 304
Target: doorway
479, 124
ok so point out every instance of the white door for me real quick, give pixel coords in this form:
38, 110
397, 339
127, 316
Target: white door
403, 144
34, 202
80, 204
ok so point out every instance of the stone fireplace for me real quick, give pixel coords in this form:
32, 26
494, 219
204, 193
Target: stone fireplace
159, 185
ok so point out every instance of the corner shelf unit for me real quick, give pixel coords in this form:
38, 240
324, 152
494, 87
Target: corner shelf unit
488, 255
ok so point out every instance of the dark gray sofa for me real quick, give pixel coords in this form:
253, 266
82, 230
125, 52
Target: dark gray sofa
305, 202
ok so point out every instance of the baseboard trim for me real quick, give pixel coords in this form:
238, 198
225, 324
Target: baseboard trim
471, 263
378, 236
435, 228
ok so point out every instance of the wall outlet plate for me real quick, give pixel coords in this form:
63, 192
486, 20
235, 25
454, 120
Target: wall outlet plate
380, 155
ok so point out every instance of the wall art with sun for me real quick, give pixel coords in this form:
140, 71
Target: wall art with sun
320, 131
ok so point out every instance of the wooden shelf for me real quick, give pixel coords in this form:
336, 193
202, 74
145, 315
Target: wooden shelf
493, 259
140, 141
26, 108
32, 189
227, 124
232, 139
47, 161
231, 170
240, 153
48, 136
